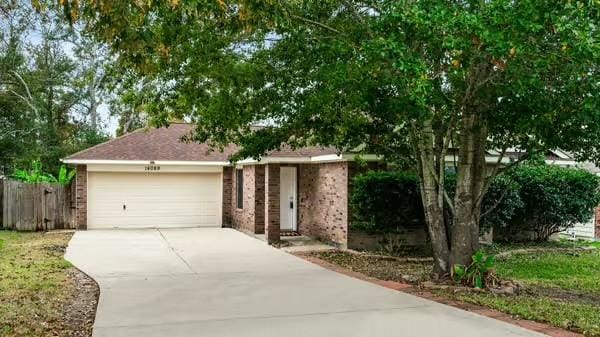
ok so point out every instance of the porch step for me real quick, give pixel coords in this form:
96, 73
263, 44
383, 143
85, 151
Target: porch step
303, 243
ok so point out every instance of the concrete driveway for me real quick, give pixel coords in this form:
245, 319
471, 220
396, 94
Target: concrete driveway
218, 283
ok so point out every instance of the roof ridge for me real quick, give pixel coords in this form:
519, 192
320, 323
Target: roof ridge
107, 142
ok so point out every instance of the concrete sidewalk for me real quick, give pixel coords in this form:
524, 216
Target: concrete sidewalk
217, 282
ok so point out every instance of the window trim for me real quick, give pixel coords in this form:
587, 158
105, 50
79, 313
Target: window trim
239, 189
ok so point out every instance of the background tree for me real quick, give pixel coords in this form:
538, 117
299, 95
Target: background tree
91, 82
129, 102
40, 79
398, 78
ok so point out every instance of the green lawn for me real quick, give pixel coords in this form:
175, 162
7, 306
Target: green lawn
562, 289
34, 283
578, 271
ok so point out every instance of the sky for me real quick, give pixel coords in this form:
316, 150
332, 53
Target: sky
33, 36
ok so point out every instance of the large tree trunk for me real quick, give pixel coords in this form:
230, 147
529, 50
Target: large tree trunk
432, 195
470, 182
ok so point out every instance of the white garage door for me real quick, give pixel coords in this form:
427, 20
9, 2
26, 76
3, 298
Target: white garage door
141, 200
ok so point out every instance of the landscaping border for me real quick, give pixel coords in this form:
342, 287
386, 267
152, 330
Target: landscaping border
413, 290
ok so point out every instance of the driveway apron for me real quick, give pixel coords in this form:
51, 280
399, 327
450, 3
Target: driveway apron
218, 282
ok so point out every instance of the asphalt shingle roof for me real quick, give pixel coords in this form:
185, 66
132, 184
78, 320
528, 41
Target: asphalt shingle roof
165, 144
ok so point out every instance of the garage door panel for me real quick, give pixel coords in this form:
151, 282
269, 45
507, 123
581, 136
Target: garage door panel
153, 200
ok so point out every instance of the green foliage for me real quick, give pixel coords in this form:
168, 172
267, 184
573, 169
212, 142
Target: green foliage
562, 288
499, 203
574, 270
65, 176
358, 73
48, 90
374, 192
36, 175
394, 78
385, 201
554, 199
478, 273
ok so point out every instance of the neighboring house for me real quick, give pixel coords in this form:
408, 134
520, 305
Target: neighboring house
591, 229
149, 178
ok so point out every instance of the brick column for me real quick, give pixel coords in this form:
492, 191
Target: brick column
272, 225
81, 197
259, 199
227, 196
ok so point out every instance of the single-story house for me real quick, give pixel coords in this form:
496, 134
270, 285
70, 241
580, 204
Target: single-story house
150, 178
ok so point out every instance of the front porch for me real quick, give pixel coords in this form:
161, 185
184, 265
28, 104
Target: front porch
273, 199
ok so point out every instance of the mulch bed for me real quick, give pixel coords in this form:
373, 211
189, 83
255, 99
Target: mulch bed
387, 268
80, 311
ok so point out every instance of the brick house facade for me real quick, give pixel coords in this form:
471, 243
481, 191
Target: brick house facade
322, 199
81, 197
323, 191
322, 179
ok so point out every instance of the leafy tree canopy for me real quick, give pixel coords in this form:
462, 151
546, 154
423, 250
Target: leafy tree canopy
400, 78
49, 88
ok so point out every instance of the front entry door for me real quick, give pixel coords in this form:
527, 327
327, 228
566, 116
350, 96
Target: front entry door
288, 202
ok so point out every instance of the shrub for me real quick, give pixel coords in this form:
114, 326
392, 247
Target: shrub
531, 201
554, 199
499, 204
385, 201
479, 274
36, 174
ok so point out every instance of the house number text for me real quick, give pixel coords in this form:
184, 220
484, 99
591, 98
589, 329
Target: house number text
152, 168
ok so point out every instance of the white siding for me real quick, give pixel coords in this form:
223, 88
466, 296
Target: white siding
153, 200
582, 230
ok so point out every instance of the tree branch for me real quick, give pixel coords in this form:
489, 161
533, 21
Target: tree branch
496, 204
316, 23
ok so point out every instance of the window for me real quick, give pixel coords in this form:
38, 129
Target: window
239, 179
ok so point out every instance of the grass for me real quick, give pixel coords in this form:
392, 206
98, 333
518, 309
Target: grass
575, 316
578, 271
562, 287
34, 283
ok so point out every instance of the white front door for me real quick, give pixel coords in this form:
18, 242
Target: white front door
288, 195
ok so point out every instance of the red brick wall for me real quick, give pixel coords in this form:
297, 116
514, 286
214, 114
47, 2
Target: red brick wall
251, 217
272, 210
259, 199
323, 201
227, 199
81, 197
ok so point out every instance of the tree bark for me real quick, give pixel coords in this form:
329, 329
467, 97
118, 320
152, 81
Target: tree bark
470, 182
432, 195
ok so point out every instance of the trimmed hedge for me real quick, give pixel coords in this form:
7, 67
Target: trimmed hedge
554, 199
499, 204
385, 201
531, 202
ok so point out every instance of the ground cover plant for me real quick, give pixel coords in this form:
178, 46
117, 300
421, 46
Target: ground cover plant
41, 294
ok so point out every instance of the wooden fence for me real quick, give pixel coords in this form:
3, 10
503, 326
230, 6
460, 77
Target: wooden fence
36, 207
